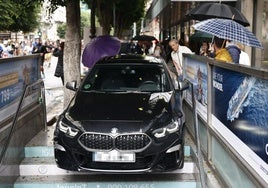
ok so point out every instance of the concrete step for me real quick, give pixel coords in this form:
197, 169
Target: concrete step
108, 181
39, 170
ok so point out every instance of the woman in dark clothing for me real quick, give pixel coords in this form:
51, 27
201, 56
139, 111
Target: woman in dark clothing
58, 52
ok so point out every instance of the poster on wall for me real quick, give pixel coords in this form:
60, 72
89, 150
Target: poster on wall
14, 76
239, 109
196, 72
240, 106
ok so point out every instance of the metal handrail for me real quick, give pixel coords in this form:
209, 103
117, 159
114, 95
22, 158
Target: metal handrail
41, 99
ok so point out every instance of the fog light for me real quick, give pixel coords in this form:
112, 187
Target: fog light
174, 148
59, 147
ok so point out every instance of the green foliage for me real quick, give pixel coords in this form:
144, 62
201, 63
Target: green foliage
6, 8
61, 30
19, 15
85, 21
126, 11
26, 19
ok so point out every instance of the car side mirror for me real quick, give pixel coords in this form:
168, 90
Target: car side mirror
183, 85
71, 85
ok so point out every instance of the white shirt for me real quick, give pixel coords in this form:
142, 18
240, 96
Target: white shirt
177, 56
244, 58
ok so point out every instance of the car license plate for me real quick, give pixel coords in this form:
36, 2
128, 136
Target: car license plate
114, 156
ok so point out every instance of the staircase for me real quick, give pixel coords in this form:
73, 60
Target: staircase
39, 170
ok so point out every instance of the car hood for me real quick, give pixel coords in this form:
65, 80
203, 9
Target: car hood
120, 106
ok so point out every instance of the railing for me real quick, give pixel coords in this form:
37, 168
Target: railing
236, 139
197, 151
16, 116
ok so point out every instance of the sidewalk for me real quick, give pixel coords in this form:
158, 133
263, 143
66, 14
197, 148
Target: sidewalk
53, 90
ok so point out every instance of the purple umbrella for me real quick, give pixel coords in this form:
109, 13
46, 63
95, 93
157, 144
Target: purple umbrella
99, 47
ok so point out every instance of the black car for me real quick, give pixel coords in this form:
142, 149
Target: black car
123, 118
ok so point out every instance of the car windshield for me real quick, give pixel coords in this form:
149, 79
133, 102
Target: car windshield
126, 78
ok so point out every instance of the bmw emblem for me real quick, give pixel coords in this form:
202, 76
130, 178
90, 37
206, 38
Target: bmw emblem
114, 130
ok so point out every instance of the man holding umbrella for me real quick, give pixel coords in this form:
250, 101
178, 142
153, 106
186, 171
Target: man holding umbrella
221, 53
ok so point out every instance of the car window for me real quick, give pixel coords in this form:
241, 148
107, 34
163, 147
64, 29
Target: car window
126, 77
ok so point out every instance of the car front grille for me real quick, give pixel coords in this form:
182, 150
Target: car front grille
96, 141
123, 142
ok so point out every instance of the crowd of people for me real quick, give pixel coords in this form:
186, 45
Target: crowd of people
46, 49
220, 49
171, 50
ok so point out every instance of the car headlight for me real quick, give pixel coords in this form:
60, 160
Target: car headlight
170, 128
72, 132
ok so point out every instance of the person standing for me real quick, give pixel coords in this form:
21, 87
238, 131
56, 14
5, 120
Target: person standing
244, 57
176, 56
204, 49
159, 51
233, 50
40, 48
221, 53
58, 52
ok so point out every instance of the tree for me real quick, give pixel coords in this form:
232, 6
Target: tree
72, 49
61, 30
26, 17
6, 8
72, 46
15, 15
85, 21
126, 11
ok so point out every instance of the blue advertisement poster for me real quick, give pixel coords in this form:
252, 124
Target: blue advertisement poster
14, 76
240, 102
196, 73
239, 109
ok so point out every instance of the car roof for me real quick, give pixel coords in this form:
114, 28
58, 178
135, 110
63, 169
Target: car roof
130, 58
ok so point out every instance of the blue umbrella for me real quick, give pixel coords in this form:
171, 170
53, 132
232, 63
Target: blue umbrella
99, 47
229, 30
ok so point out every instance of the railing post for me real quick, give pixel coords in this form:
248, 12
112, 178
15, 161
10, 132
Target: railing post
197, 138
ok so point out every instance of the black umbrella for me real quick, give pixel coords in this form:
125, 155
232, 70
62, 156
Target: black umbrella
144, 38
217, 10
